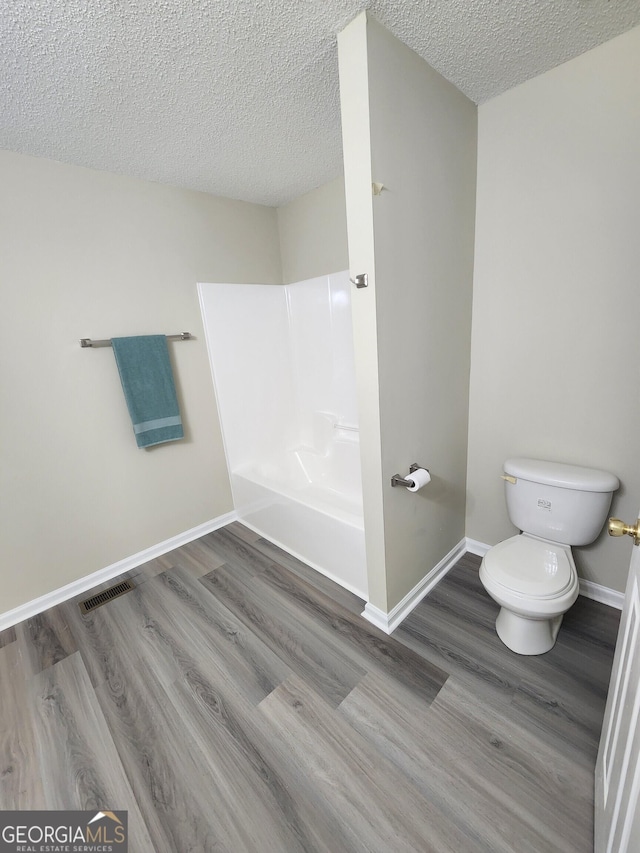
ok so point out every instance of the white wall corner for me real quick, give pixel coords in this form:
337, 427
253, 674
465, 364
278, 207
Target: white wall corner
388, 622
475, 547
71, 590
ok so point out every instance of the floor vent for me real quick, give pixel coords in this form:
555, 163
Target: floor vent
105, 596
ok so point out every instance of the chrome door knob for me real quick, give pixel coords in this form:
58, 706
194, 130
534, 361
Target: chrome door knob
619, 528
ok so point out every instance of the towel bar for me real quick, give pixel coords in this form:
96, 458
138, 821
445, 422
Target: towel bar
87, 342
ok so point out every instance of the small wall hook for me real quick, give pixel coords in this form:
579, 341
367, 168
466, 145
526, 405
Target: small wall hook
361, 280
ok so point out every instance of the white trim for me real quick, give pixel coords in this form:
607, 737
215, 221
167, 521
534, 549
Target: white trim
596, 592
475, 547
70, 590
590, 589
388, 622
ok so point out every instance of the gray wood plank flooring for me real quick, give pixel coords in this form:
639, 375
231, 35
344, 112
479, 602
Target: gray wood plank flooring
237, 701
20, 780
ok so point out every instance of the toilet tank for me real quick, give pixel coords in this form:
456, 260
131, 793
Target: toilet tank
563, 503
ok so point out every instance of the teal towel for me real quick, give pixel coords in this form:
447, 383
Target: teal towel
147, 382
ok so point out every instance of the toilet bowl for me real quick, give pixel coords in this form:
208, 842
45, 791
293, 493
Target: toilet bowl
535, 582
532, 576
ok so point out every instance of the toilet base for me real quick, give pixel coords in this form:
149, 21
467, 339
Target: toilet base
527, 636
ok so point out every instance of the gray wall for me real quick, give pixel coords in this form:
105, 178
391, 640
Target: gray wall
423, 149
91, 254
313, 233
556, 347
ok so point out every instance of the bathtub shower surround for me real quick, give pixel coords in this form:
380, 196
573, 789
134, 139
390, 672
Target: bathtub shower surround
284, 374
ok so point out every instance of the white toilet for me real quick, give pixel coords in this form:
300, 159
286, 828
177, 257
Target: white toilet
532, 576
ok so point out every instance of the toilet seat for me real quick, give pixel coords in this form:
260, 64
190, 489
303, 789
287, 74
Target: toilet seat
530, 567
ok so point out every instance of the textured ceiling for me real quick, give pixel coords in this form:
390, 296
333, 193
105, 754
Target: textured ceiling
240, 97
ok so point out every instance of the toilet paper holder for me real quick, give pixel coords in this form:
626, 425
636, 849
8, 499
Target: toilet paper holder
397, 480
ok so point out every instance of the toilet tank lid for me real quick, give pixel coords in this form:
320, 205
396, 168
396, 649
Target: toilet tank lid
561, 475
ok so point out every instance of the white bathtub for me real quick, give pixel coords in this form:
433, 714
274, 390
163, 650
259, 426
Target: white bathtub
283, 364
310, 504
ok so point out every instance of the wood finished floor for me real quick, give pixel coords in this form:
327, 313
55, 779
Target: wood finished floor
237, 701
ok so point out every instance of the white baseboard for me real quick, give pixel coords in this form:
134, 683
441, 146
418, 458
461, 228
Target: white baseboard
596, 592
388, 622
589, 589
71, 590
475, 547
